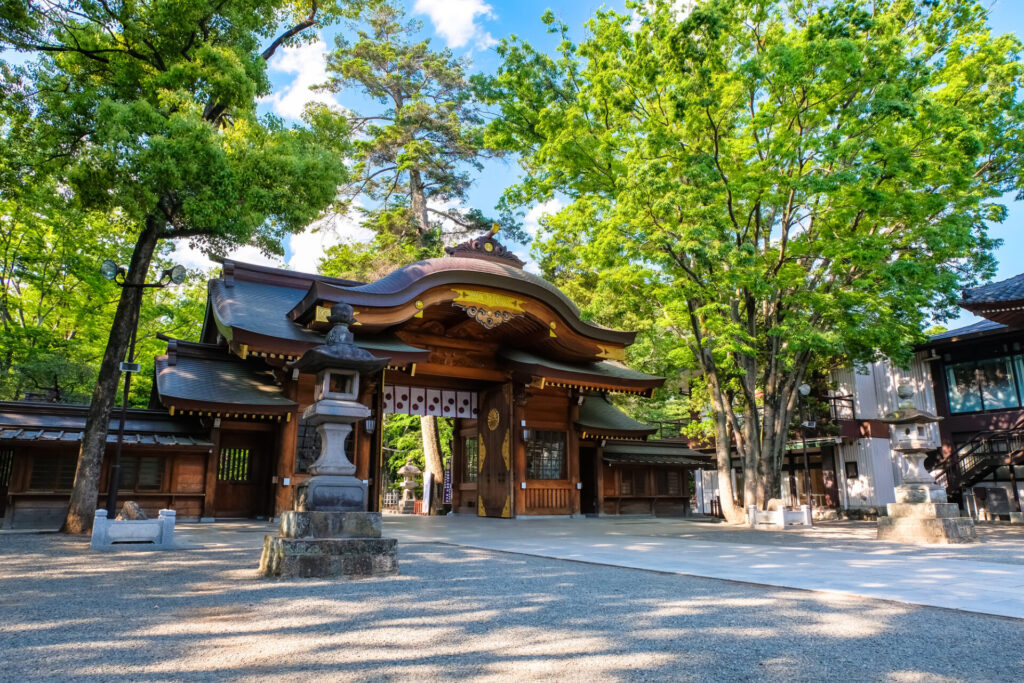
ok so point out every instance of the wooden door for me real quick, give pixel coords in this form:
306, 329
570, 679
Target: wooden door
494, 483
242, 473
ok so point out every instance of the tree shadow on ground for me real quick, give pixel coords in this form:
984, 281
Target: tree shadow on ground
72, 614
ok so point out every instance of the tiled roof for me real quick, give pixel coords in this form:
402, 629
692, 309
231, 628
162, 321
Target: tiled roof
205, 384
976, 328
654, 453
1010, 289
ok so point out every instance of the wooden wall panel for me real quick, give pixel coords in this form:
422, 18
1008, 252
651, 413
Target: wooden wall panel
189, 473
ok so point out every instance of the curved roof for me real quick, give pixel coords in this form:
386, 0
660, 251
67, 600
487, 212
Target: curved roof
598, 417
405, 283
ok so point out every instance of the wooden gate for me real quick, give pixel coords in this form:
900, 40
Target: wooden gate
242, 466
494, 484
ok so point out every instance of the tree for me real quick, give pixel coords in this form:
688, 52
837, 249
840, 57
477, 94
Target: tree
150, 111
778, 183
413, 157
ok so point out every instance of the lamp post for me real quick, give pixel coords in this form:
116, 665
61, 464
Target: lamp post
805, 424
111, 271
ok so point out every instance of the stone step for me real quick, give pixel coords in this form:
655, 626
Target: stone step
330, 525
348, 558
928, 510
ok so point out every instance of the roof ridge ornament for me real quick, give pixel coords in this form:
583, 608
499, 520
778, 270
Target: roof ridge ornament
488, 248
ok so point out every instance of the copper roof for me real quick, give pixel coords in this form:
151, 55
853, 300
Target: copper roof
598, 417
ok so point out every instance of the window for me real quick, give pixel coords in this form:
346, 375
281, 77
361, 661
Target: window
633, 483
984, 385
141, 473
51, 472
471, 462
997, 385
668, 483
234, 465
545, 455
962, 381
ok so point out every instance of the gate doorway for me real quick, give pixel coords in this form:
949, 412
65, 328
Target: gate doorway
242, 475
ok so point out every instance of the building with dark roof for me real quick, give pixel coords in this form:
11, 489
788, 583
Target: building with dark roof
463, 335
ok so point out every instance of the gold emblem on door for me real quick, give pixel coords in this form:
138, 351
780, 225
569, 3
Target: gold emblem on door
492, 419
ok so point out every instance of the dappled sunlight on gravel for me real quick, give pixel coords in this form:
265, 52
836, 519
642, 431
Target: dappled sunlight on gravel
69, 614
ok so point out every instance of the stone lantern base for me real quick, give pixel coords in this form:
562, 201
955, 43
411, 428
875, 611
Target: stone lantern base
329, 545
922, 515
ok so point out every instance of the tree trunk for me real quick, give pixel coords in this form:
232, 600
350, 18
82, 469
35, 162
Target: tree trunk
418, 202
82, 507
432, 454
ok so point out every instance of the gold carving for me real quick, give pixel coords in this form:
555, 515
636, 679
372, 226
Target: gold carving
506, 452
552, 326
488, 308
490, 299
482, 454
492, 419
506, 512
488, 246
611, 352
419, 310
322, 313
480, 511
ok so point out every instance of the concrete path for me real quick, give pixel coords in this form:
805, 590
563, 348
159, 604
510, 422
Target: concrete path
865, 569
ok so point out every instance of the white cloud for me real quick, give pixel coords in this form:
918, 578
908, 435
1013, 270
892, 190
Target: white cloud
307, 247
307, 64
531, 222
456, 21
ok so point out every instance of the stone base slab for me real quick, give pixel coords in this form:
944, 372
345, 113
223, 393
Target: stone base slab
330, 524
925, 530
925, 510
348, 558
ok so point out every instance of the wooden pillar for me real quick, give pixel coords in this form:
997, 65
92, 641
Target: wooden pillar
519, 453
573, 454
287, 451
599, 457
210, 499
376, 447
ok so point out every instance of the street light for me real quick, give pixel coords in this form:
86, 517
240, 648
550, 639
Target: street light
805, 424
111, 271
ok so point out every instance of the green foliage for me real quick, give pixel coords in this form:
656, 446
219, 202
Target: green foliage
776, 184
415, 154
403, 441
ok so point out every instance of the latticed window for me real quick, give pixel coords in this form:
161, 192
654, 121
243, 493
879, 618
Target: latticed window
235, 465
52, 472
141, 473
668, 483
471, 463
633, 483
545, 455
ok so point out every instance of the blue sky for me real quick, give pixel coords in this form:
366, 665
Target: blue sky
471, 28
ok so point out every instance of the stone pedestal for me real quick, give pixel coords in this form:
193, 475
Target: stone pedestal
921, 513
329, 545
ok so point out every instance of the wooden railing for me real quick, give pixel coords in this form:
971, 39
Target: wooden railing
548, 500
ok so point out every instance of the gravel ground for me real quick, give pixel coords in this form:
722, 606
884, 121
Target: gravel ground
70, 614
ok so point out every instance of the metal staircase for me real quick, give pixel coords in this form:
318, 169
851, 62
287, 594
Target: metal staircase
984, 453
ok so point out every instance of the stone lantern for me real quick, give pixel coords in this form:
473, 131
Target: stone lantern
921, 513
330, 533
409, 473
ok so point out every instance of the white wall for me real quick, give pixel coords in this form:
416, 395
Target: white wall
875, 482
